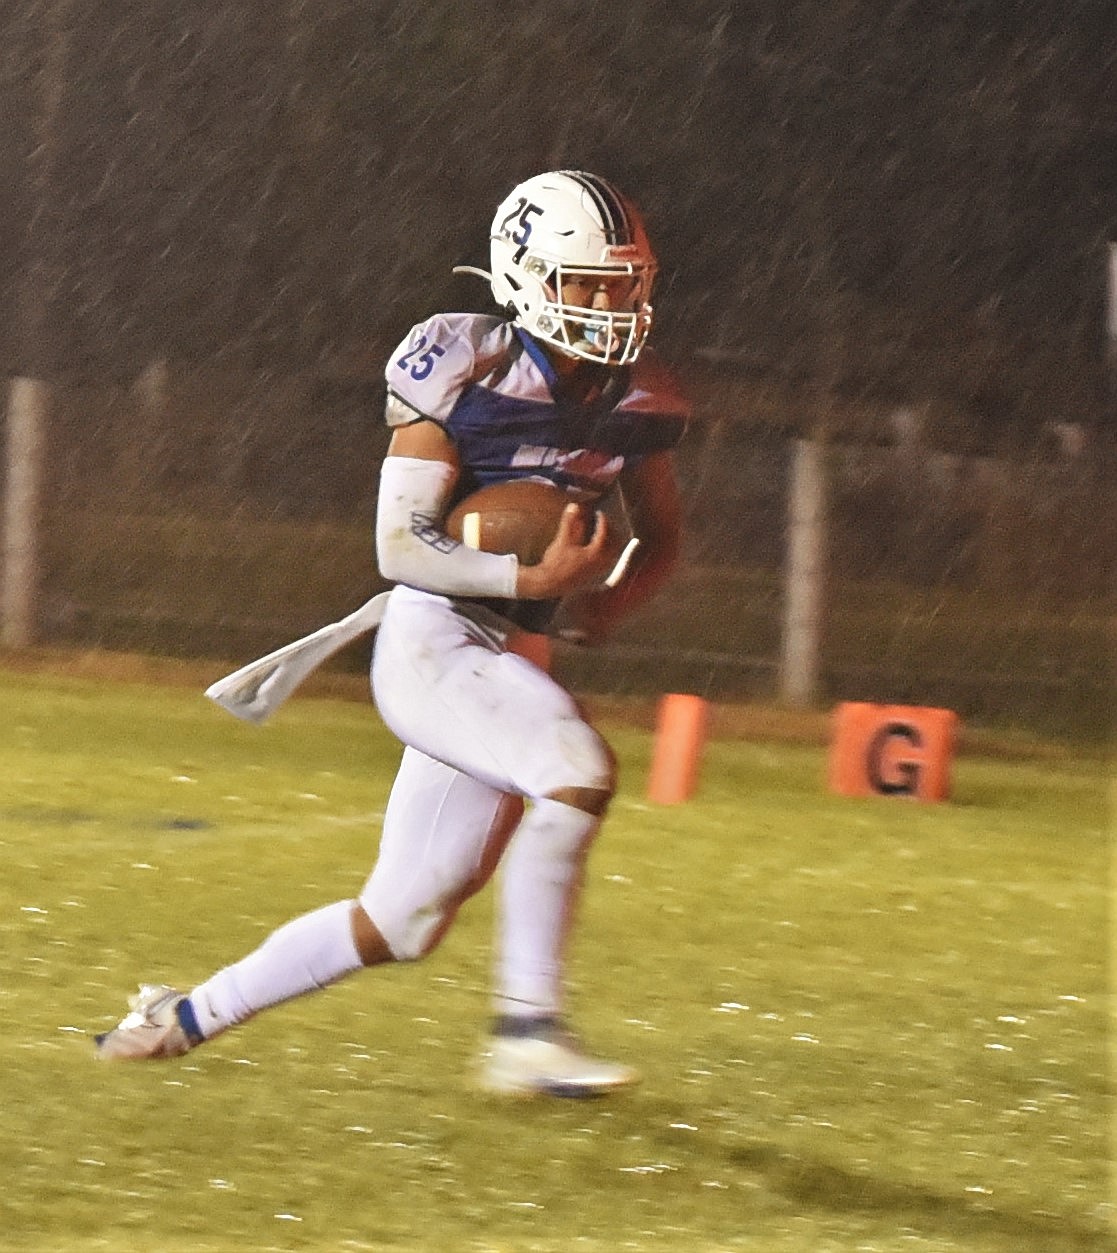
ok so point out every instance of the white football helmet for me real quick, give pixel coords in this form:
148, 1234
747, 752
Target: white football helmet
571, 261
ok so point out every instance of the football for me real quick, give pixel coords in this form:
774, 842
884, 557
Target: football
519, 516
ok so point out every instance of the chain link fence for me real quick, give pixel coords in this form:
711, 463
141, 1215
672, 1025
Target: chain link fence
219, 513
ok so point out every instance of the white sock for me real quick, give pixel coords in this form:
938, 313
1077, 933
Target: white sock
304, 955
541, 877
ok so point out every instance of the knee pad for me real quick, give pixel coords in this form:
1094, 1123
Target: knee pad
411, 936
578, 759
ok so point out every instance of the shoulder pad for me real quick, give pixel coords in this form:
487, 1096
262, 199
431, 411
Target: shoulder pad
437, 361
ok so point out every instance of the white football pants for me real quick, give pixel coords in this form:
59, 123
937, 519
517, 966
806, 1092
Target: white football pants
483, 727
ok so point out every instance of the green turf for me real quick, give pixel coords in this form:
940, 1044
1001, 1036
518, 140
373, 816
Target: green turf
864, 1025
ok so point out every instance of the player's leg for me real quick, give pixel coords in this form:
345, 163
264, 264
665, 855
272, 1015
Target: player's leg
421, 879
308, 953
443, 835
531, 1050
441, 838
502, 720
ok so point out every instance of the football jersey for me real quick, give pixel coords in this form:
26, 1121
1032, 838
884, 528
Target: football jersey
495, 393
493, 390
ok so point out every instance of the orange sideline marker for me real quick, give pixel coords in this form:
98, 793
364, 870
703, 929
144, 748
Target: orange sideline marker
892, 750
679, 740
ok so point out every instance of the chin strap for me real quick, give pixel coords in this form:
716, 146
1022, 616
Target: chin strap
472, 269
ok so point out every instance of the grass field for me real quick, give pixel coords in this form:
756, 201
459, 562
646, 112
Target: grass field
863, 1025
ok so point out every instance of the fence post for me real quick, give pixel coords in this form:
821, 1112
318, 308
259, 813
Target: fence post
1111, 319
27, 408
805, 574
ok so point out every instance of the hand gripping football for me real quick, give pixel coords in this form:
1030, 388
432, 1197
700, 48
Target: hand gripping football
519, 516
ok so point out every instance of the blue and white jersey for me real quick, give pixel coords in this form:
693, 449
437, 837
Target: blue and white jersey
493, 390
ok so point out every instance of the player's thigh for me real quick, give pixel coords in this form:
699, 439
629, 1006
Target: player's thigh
462, 699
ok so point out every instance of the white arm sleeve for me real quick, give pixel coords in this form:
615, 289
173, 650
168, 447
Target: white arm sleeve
412, 548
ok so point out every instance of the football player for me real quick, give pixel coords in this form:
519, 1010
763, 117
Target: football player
499, 764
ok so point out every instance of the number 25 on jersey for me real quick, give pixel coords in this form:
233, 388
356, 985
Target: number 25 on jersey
420, 360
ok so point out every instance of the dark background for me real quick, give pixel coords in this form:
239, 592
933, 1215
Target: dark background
884, 221
290, 183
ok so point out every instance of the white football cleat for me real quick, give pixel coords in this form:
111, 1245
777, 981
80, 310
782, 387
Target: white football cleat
549, 1063
151, 1029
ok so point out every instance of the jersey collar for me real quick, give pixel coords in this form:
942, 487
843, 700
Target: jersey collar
612, 381
535, 351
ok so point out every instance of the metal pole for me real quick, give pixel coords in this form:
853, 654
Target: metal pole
805, 574
1111, 320
27, 405
1111, 384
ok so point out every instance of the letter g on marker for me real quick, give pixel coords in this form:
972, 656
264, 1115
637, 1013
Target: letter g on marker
905, 769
